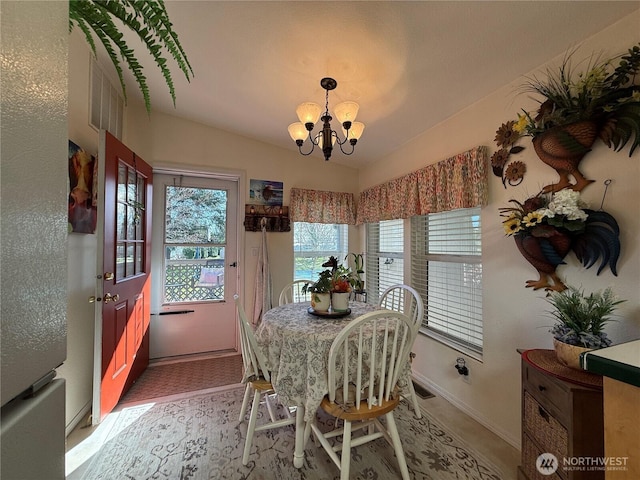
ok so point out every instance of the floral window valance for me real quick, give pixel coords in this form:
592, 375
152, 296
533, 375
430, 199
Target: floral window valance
457, 182
316, 206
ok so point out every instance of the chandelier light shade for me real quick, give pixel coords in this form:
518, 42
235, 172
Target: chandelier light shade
309, 113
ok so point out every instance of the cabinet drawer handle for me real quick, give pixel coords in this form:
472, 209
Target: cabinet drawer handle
543, 414
542, 388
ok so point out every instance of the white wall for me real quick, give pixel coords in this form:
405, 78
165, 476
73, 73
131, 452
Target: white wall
167, 140
514, 317
81, 265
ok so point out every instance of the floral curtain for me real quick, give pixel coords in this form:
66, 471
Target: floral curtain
316, 206
457, 182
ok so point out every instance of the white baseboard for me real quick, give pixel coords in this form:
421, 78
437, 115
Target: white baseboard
77, 419
514, 442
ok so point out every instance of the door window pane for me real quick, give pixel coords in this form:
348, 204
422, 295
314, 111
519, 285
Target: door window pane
121, 221
130, 206
194, 244
130, 256
120, 261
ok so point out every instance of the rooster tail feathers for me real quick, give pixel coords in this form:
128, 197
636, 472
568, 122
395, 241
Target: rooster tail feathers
623, 127
600, 240
602, 217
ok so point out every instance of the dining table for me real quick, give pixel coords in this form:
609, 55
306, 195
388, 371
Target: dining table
296, 341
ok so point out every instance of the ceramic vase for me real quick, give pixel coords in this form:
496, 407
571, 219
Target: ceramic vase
340, 301
569, 355
321, 302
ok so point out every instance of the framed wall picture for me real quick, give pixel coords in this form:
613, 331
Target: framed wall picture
83, 208
265, 192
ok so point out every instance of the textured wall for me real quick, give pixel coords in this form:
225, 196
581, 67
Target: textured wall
33, 285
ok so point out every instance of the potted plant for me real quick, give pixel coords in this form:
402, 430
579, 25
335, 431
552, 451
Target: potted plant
320, 291
341, 281
149, 21
580, 321
358, 261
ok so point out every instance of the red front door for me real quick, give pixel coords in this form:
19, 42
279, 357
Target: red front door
125, 271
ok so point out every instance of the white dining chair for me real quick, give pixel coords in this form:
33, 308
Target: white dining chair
405, 299
293, 292
259, 381
364, 364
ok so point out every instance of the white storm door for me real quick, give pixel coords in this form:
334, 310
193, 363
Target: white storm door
194, 255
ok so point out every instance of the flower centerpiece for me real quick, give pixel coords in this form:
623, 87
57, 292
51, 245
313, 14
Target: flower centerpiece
580, 321
333, 288
341, 282
575, 109
547, 226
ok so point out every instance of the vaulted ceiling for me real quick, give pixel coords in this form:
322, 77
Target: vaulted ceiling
410, 65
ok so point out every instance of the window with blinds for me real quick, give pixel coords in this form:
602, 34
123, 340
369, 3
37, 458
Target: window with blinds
313, 244
384, 259
446, 269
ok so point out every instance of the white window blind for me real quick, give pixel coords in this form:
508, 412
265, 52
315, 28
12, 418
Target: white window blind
313, 244
384, 259
107, 105
446, 269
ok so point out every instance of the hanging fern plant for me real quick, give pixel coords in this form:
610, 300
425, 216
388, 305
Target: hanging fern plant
148, 19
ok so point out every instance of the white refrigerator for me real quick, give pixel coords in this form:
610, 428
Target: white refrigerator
33, 238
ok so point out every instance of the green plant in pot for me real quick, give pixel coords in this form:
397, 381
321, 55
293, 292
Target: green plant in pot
320, 291
580, 321
358, 261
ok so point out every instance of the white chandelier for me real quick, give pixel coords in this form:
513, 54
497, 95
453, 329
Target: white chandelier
309, 112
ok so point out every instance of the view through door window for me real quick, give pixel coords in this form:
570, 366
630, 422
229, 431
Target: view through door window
194, 244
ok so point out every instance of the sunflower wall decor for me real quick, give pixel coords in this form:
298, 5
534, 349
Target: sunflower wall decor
575, 109
546, 227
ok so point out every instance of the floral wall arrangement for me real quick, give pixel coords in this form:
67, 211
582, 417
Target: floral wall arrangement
547, 227
575, 109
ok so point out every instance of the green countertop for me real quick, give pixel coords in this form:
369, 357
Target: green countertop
620, 362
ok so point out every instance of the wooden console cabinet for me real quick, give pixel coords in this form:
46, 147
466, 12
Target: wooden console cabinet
562, 414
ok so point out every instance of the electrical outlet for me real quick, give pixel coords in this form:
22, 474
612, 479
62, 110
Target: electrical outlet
463, 370
254, 251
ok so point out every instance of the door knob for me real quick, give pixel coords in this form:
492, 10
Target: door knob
111, 298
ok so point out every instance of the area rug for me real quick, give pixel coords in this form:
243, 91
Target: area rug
200, 438
183, 377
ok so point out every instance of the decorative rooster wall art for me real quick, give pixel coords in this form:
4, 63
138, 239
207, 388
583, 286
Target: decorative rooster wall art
575, 110
547, 227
